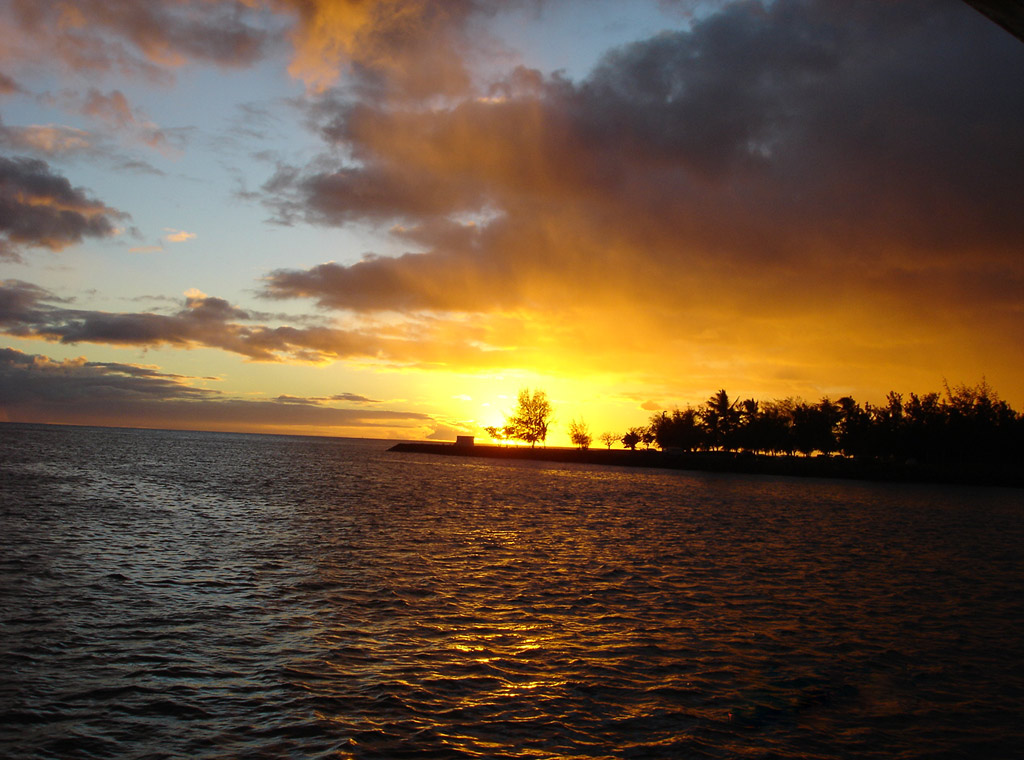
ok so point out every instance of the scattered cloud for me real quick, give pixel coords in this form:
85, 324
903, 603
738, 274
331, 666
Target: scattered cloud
39, 208
321, 400
288, 399
28, 311
61, 142
31, 377
354, 398
410, 48
47, 139
445, 432
177, 236
37, 388
141, 37
112, 111
8, 86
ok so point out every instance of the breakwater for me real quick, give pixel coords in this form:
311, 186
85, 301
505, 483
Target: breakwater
730, 462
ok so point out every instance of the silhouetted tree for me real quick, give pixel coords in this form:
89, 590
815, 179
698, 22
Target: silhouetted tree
647, 437
579, 434
772, 428
609, 438
504, 433
682, 430
924, 428
747, 429
969, 426
980, 426
632, 438
532, 417
720, 420
853, 434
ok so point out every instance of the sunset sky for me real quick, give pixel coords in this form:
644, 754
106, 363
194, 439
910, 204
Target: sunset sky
382, 218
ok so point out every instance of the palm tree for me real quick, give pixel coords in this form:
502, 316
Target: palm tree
720, 420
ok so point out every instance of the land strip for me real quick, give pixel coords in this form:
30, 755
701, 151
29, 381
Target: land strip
721, 461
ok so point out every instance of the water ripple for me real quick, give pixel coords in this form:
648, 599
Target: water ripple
198, 595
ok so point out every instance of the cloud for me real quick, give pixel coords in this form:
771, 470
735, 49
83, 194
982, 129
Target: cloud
320, 400
8, 86
39, 389
47, 139
404, 48
35, 378
113, 109
42, 209
354, 398
177, 236
142, 37
408, 48
28, 311
59, 141
781, 189
744, 190
116, 114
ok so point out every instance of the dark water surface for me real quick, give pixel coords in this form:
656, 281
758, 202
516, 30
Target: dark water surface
170, 594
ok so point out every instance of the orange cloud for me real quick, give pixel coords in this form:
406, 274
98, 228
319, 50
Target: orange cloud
178, 236
414, 47
780, 213
407, 47
786, 191
51, 139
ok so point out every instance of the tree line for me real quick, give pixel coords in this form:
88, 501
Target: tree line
964, 424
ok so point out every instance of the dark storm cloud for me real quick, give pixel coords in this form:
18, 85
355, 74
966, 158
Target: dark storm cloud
40, 208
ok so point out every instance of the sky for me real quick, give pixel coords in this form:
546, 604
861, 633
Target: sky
382, 218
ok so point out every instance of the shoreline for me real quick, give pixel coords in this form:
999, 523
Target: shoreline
728, 462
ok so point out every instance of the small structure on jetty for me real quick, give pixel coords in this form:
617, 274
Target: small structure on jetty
463, 441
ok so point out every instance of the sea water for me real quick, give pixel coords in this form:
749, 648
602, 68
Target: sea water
202, 595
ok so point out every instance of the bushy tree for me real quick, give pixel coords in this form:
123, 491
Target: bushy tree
532, 417
579, 434
632, 438
682, 430
503, 433
814, 426
969, 425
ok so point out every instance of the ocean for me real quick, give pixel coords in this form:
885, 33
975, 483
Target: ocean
199, 595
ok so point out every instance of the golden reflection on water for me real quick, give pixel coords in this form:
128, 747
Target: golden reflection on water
656, 615
285, 598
